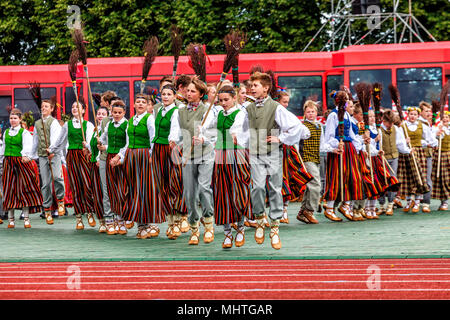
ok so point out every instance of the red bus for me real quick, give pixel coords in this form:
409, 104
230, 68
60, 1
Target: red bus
418, 69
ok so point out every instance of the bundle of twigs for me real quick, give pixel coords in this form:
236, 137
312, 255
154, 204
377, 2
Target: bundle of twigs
341, 99
177, 42
150, 52
72, 66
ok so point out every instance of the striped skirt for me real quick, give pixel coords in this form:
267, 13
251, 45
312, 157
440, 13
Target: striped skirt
370, 190
231, 186
167, 173
117, 186
441, 185
295, 177
384, 181
352, 179
80, 181
96, 189
20, 185
143, 200
407, 173
68, 200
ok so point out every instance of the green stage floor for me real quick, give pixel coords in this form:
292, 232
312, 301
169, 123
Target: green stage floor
403, 235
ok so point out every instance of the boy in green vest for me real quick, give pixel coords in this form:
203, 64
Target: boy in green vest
270, 126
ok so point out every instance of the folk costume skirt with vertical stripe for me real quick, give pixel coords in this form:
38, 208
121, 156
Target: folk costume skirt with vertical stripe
231, 186
117, 185
407, 173
370, 190
167, 173
68, 199
295, 177
143, 200
441, 185
80, 181
20, 185
382, 184
352, 178
96, 189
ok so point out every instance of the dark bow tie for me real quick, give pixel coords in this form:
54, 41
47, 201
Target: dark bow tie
192, 106
260, 102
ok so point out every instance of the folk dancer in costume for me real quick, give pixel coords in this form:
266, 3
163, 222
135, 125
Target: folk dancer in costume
384, 181
198, 156
310, 152
270, 125
393, 143
441, 185
425, 117
408, 174
51, 178
181, 84
73, 134
295, 175
114, 138
231, 177
167, 161
20, 185
342, 183
94, 170
143, 201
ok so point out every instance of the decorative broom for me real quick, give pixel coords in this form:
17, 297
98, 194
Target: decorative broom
35, 90
395, 96
78, 38
442, 101
177, 42
341, 101
363, 93
197, 59
150, 52
377, 89
73, 61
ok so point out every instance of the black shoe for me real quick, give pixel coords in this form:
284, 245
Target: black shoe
42, 215
55, 215
21, 217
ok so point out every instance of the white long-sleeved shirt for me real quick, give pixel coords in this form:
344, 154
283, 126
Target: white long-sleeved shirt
331, 142
445, 133
291, 128
27, 142
150, 128
400, 140
427, 137
62, 143
55, 130
104, 138
175, 132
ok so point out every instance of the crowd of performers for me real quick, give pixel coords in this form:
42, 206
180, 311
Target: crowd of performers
239, 169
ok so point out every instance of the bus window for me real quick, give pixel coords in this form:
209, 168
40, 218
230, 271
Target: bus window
5, 101
384, 76
301, 88
334, 82
69, 99
417, 84
121, 88
24, 101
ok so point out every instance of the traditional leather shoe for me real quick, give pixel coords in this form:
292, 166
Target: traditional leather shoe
176, 230
398, 203
390, 209
184, 226
110, 229
26, 223
285, 218
129, 224
259, 231
426, 208
345, 210
48, 217
443, 207
122, 228
357, 216
329, 213
194, 239
142, 233
266, 221
102, 228
79, 224
302, 218
240, 234
275, 238
408, 206
228, 241
416, 207
61, 208
91, 220
250, 223
310, 216
11, 224
153, 231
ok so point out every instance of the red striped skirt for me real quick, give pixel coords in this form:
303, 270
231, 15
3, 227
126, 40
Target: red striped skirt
370, 190
407, 173
352, 178
117, 186
231, 186
143, 200
390, 183
167, 173
441, 185
295, 177
80, 182
68, 200
97, 189
20, 185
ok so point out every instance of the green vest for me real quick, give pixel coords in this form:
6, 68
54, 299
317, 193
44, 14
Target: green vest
42, 146
94, 148
138, 137
261, 122
416, 136
117, 137
162, 126
311, 146
389, 143
224, 138
75, 136
103, 125
13, 144
189, 121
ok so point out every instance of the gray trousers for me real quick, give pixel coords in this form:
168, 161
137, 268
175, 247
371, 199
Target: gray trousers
107, 213
427, 196
261, 167
311, 196
46, 188
393, 163
197, 178
323, 172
